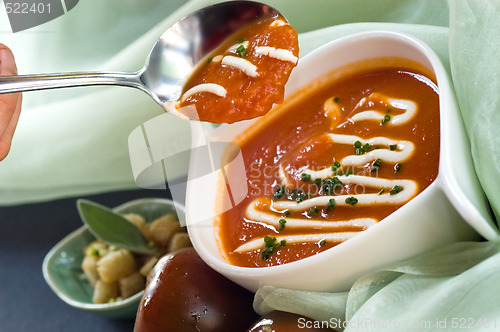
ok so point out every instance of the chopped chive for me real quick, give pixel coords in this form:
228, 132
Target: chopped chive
376, 165
396, 189
360, 148
386, 118
336, 165
241, 50
351, 200
305, 177
397, 167
240, 40
336, 99
393, 147
270, 246
313, 211
282, 224
331, 204
318, 181
279, 192
329, 185
388, 111
381, 191
287, 213
210, 59
322, 243
348, 172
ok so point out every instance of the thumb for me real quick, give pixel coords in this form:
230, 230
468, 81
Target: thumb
7, 63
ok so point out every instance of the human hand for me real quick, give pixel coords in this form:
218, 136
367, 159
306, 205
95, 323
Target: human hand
10, 104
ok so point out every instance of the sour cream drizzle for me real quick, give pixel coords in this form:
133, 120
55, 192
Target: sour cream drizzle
402, 153
302, 238
385, 152
408, 106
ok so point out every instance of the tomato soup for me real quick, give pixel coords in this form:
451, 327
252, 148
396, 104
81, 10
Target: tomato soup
244, 76
332, 163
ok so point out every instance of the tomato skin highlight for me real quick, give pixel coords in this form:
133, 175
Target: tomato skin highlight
185, 294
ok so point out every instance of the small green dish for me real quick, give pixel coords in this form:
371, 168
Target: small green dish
61, 266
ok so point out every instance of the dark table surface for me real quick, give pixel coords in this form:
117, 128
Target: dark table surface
27, 233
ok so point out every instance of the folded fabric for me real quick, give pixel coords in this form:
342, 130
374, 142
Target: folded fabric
446, 289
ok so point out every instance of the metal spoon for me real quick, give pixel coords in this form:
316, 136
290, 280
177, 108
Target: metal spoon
170, 61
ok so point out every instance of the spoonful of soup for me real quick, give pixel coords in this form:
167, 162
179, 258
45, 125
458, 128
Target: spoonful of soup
223, 63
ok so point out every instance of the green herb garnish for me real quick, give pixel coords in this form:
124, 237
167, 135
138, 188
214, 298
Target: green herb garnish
279, 192
270, 246
396, 189
376, 165
386, 118
348, 172
393, 147
241, 50
397, 168
336, 166
322, 243
336, 99
282, 223
240, 40
351, 200
329, 185
313, 211
305, 177
360, 148
381, 191
331, 204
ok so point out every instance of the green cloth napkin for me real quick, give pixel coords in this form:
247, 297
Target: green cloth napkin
73, 142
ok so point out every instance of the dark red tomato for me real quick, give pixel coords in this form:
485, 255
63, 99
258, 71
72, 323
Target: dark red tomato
184, 294
279, 321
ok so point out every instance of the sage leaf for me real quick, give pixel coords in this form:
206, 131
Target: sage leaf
110, 227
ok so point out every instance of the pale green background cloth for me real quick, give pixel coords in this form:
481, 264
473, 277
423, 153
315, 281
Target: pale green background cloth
72, 142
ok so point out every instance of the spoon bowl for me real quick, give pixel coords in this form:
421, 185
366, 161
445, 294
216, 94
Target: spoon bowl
171, 60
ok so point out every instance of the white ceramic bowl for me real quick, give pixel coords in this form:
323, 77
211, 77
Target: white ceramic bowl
451, 209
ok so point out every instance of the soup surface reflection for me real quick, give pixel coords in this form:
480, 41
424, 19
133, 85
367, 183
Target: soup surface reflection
331, 164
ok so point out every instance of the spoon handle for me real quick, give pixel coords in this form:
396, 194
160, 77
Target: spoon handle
9, 84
